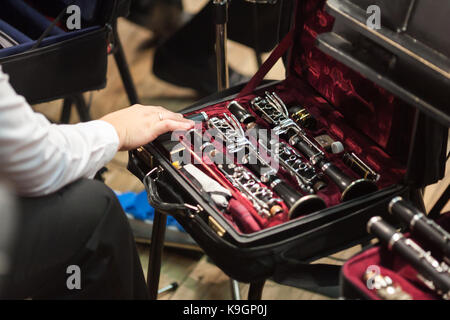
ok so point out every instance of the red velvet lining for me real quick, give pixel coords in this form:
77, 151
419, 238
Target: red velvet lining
367, 107
393, 266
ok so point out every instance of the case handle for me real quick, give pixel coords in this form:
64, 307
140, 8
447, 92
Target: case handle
150, 182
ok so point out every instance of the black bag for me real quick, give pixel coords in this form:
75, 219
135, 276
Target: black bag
50, 61
367, 118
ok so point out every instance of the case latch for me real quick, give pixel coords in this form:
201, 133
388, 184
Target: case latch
154, 199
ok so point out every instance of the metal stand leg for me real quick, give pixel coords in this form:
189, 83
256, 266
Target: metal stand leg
221, 19
156, 248
256, 47
80, 104
82, 108
122, 65
255, 290
66, 110
235, 293
223, 82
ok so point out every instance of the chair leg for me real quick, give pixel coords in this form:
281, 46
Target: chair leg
255, 290
155, 255
82, 108
66, 110
124, 70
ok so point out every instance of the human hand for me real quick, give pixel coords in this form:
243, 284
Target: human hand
138, 125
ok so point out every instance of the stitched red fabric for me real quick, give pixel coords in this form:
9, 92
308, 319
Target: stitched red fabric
276, 54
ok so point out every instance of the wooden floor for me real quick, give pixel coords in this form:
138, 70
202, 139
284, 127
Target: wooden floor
197, 277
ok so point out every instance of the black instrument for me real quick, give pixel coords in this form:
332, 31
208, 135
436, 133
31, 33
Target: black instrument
302, 117
240, 113
308, 179
265, 202
433, 274
420, 225
273, 110
229, 130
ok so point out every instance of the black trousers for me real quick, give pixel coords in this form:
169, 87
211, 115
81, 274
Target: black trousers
81, 225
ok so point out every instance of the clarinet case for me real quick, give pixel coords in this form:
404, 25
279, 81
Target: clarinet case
373, 122
47, 62
391, 265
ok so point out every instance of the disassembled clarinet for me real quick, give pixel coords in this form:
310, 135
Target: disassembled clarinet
420, 225
308, 179
256, 176
250, 166
229, 130
435, 275
274, 111
266, 203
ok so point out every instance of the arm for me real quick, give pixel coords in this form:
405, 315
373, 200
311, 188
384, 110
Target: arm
38, 157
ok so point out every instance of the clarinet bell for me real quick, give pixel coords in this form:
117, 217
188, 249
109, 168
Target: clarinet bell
298, 205
358, 188
350, 189
306, 205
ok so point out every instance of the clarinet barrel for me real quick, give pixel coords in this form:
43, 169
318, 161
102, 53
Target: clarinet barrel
350, 189
434, 275
421, 225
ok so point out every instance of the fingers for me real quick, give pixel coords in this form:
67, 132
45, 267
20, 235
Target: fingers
168, 125
166, 114
174, 116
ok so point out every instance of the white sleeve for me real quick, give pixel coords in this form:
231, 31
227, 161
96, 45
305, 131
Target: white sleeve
38, 157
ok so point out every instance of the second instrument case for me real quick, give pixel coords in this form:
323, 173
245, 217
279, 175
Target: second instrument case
384, 131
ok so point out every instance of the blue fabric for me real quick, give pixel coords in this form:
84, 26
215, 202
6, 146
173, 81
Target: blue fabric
137, 205
26, 19
13, 32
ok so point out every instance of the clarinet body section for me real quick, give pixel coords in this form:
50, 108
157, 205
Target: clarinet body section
435, 275
306, 176
273, 110
232, 135
420, 225
264, 201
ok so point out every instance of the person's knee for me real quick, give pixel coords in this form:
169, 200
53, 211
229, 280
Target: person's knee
91, 196
86, 203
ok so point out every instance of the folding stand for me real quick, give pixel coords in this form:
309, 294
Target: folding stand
160, 219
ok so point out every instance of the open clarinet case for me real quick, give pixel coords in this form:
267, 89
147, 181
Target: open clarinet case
384, 139
46, 58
